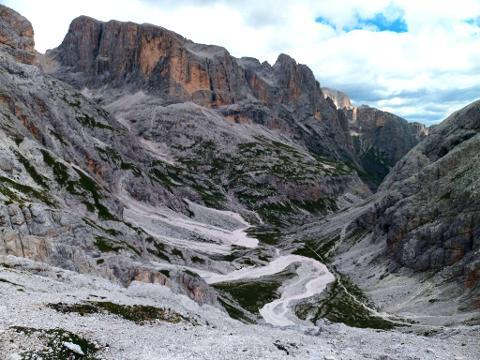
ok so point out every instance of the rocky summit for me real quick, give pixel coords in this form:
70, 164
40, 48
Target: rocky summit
162, 199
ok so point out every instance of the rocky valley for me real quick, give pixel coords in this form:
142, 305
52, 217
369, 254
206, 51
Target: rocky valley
163, 199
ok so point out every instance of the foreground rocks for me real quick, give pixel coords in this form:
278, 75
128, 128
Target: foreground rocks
55, 307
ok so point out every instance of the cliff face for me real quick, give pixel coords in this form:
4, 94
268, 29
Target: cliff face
381, 139
129, 57
429, 213
436, 223
147, 56
16, 35
339, 98
153, 58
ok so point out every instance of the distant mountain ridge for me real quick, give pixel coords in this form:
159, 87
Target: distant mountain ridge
380, 138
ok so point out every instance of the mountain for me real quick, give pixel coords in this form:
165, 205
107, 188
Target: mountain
380, 138
430, 217
339, 98
158, 197
414, 246
283, 96
106, 183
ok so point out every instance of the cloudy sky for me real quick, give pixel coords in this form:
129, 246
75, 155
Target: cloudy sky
419, 59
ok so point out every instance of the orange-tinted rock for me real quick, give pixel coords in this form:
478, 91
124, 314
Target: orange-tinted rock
16, 33
149, 276
133, 57
472, 278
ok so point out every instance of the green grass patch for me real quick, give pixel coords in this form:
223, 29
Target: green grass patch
140, 314
107, 245
39, 179
197, 260
159, 249
254, 294
7, 184
60, 171
235, 312
343, 302
90, 122
112, 232
318, 249
266, 234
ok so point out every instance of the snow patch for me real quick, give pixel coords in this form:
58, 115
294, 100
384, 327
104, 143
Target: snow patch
74, 348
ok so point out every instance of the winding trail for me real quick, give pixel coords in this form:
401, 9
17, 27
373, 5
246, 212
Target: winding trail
219, 230
313, 277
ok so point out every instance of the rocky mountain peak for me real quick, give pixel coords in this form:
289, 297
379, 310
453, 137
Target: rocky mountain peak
132, 57
147, 57
284, 60
339, 98
16, 35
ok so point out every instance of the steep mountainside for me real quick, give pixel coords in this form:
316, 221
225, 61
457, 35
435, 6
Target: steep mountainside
284, 96
380, 139
415, 246
85, 192
430, 218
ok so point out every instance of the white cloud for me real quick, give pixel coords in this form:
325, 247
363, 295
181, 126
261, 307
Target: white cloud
422, 74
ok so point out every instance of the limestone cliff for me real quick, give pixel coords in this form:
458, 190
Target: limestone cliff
340, 99
429, 208
380, 138
16, 35
130, 57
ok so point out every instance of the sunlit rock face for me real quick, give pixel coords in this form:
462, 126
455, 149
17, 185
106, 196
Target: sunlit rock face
16, 35
130, 57
340, 99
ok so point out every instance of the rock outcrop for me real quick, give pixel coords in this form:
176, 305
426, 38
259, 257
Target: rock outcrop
429, 212
16, 35
130, 57
381, 139
339, 98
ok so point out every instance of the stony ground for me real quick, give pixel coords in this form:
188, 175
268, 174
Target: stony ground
149, 322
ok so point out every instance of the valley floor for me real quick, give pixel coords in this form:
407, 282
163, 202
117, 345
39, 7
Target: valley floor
147, 321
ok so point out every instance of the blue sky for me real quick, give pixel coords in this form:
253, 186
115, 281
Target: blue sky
376, 22
419, 59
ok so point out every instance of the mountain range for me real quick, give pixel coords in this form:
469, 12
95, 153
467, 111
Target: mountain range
157, 189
